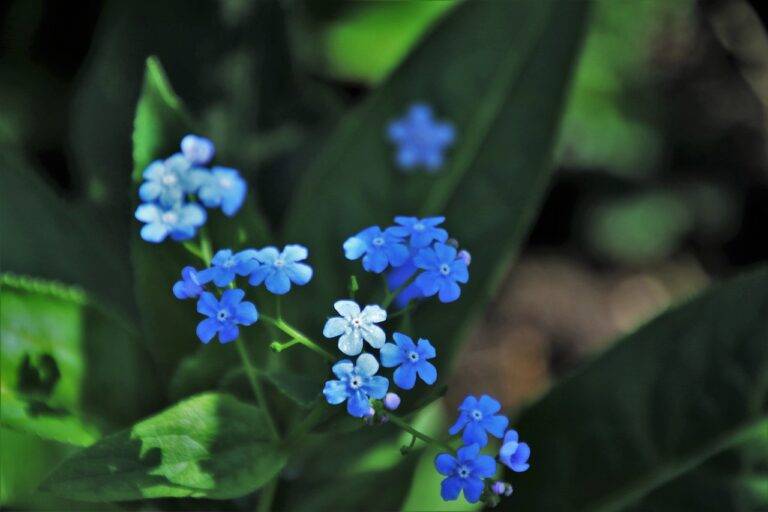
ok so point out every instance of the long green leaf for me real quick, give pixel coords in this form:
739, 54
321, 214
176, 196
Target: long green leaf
211, 445
654, 406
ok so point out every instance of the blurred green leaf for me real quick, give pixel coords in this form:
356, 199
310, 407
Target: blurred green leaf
682, 388
210, 445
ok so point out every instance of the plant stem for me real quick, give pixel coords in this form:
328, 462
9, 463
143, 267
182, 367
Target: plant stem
397, 420
390, 295
267, 495
258, 390
298, 336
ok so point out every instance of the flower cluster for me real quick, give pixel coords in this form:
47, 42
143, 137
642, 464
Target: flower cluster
173, 186
276, 269
421, 259
420, 139
470, 471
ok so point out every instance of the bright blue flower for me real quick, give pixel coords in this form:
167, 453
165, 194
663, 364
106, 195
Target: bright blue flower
420, 139
170, 180
357, 384
476, 417
378, 248
410, 359
422, 232
191, 284
513, 453
225, 265
442, 271
464, 472
354, 326
279, 269
179, 221
197, 150
223, 187
224, 315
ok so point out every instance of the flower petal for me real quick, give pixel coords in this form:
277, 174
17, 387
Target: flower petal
154, 232
374, 335
354, 248
207, 329
405, 376
343, 368
268, 255
425, 349
367, 364
295, 252
231, 298
335, 391
228, 333
374, 314
351, 343
445, 464
450, 488
299, 273
358, 404
207, 304
449, 290
391, 356
347, 308
473, 487
278, 283
377, 386
427, 372
246, 313
488, 405
335, 326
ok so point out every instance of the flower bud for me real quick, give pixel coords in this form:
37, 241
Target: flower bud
391, 401
465, 256
198, 150
499, 487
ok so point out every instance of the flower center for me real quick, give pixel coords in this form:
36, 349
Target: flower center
355, 382
463, 471
226, 182
419, 227
445, 269
279, 262
413, 356
357, 322
476, 415
222, 315
170, 179
170, 218
378, 241
229, 263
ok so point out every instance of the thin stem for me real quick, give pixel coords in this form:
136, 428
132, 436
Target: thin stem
416, 433
279, 347
390, 295
278, 307
298, 336
267, 496
205, 246
258, 390
407, 309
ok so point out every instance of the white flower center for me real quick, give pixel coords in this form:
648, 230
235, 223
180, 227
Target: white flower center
279, 262
357, 322
413, 356
222, 315
229, 263
463, 471
169, 179
170, 218
378, 241
445, 269
419, 227
476, 414
355, 382
226, 182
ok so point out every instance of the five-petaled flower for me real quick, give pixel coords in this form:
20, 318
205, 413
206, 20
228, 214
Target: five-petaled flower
224, 315
478, 418
378, 249
190, 286
443, 270
279, 269
410, 359
422, 232
420, 139
223, 187
354, 326
167, 181
179, 221
357, 384
197, 150
513, 453
464, 472
226, 264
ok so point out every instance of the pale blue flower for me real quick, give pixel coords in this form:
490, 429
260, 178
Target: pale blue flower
279, 269
378, 248
443, 270
354, 326
478, 418
225, 265
197, 150
421, 232
356, 384
223, 187
513, 453
179, 221
420, 139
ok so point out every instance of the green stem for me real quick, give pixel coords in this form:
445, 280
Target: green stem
279, 347
390, 295
298, 336
407, 309
397, 420
267, 495
258, 389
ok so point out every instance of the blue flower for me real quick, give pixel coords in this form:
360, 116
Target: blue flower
354, 326
476, 417
179, 221
378, 248
191, 284
223, 187
357, 384
279, 269
464, 472
225, 265
224, 315
422, 231
397, 277
197, 150
513, 453
420, 139
410, 360
168, 181
442, 271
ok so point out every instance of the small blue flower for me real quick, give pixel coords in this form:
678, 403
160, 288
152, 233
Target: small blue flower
191, 284
224, 315
357, 384
279, 269
410, 359
465, 472
420, 139
197, 150
378, 248
223, 187
513, 453
442, 271
476, 417
169, 181
422, 232
225, 265
354, 326
179, 221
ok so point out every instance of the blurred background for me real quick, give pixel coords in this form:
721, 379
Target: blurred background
662, 181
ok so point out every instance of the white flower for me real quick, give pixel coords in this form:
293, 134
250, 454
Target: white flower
355, 326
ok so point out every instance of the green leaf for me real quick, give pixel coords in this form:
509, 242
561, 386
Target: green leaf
59, 379
211, 445
654, 406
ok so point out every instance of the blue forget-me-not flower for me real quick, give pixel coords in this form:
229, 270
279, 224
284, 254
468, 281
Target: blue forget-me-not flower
224, 315
223, 187
478, 418
279, 269
356, 384
197, 150
420, 139
226, 264
354, 326
422, 232
378, 249
513, 453
410, 359
179, 221
191, 284
443, 270
465, 472
168, 181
